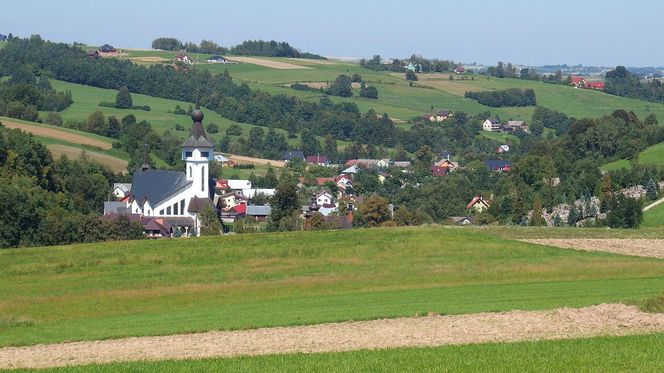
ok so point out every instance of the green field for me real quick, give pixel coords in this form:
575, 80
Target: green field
604, 354
109, 290
401, 101
652, 155
654, 217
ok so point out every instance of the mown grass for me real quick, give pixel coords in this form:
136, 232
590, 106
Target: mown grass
652, 155
604, 354
86, 292
654, 217
517, 232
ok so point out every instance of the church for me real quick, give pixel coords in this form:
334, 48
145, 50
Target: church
177, 198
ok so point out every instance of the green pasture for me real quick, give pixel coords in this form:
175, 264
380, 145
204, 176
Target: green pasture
640, 353
654, 217
116, 289
652, 155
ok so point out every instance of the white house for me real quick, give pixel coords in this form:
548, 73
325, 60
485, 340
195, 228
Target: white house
179, 196
216, 59
121, 190
221, 159
324, 198
351, 170
491, 125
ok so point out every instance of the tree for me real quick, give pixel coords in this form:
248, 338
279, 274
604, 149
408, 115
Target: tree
537, 220
368, 92
356, 78
210, 223
285, 204
374, 211
341, 86
624, 212
308, 142
405, 216
212, 128
411, 76
329, 145
651, 190
423, 159
123, 99
317, 222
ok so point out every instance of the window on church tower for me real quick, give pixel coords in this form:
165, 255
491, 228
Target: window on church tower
189, 171
188, 154
203, 180
205, 154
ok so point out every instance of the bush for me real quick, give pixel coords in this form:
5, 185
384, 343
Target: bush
234, 130
107, 104
212, 128
179, 127
140, 107
179, 111
123, 98
301, 87
53, 118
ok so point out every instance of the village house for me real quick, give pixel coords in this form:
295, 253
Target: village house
107, 49
343, 182
222, 160
503, 149
183, 58
460, 69
439, 171
478, 204
492, 125
462, 220
320, 160
352, 170
441, 115
121, 190
516, 125
581, 82
498, 165
216, 59
258, 212
293, 154
446, 163
3, 37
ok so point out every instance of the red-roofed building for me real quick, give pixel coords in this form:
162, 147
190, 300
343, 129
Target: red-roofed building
320, 160
478, 204
595, 85
240, 209
439, 171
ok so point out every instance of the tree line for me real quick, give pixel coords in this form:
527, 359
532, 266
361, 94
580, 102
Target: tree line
25, 93
249, 47
621, 82
504, 98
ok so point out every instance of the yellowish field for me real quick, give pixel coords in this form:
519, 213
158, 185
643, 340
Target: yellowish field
268, 63
56, 133
116, 165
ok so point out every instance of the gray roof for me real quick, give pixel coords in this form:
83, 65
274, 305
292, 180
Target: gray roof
198, 137
125, 187
115, 207
157, 185
258, 210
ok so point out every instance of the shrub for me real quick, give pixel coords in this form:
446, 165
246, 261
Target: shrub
123, 98
513, 97
53, 118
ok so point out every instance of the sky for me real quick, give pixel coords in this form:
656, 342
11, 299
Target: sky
527, 32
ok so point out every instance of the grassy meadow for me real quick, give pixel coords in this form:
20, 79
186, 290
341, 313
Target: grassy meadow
116, 289
603, 354
654, 217
652, 155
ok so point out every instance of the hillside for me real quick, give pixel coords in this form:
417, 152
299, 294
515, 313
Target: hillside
114, 289
400, 100
654, 217
652, 155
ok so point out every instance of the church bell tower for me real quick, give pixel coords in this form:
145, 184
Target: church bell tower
197, 152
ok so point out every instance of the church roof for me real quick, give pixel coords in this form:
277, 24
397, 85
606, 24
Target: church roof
157, 185
198, 137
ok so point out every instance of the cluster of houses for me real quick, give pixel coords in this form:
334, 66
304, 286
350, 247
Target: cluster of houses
3, 37
511, 126
581, 82
182, 58
104, 50
439, 116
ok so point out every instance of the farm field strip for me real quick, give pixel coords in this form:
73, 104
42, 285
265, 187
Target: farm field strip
267, 63
115, 164
57, 133
636, 247
428, 331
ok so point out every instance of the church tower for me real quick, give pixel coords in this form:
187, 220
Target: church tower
197, 152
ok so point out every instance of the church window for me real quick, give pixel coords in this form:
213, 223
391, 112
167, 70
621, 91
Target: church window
161, 212
182, 207
175, 209
168, 210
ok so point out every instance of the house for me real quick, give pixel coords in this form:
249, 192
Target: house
351, 170
492, 125
93, 54
402, 164
183, 58
439, 171
462, 220
251, 193
291, 154
236, 212
174, 195
516, 125
459, 69
320, 160
107, 49
343, 182
446, 163
441, 115
121, 190
216, 59
478, 204
414, 67
429, 117
577, 81
3, 37
221, 159
498, 165
595, 85
258, 212
232, 184
324, 198
503, 149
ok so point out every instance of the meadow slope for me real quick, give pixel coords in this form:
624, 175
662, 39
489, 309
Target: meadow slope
117, 289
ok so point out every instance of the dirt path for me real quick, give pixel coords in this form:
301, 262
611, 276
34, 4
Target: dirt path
243, 159
653, 204
268, 63
638, 247
55, 133
606, 319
